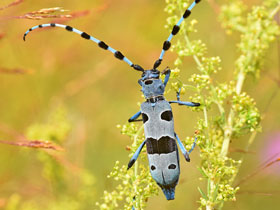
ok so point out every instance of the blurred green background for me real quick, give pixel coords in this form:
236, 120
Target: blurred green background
69, 88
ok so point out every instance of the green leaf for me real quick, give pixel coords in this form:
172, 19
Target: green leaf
202, 194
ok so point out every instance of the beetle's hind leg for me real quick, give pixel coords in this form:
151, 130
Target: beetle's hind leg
193, 146
183, 150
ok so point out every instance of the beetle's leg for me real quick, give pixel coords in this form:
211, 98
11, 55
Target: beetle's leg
186, 103
167, 73
134, 117
183, 150
178, 94
135, 155
193, 146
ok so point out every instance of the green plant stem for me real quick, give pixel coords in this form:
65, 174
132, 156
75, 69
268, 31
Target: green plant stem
209, 205
136, 165
228, 130
240, 80
200, 65
273, 13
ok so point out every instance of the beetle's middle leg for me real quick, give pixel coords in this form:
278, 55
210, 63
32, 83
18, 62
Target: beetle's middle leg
135, 155
183, 149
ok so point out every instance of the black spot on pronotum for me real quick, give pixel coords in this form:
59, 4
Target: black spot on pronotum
153, 167
69, 28
187, 13
197, 1
148, 82
103, 45
166, 45
145, 117
85, 35
52, 24
119, 55
172, 166
166, 115
175, 29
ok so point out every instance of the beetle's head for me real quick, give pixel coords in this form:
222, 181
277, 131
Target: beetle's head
150, 74
151, 84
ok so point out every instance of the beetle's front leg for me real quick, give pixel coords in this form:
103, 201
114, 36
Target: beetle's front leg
134, 118
167, 73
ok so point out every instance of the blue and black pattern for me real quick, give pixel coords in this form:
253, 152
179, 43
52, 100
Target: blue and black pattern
161, 140
175, 30
84, 35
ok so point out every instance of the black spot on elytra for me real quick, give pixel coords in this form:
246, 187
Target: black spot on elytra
153, 167
166, 115
172, 166
145, 117
164, 145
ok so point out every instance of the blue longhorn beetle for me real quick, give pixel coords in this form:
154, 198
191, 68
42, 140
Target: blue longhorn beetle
156, 113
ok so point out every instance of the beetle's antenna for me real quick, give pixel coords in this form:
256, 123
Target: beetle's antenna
175, 30
84, 35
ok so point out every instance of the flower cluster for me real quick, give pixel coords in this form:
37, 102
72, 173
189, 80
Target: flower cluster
228, 111
135, 186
